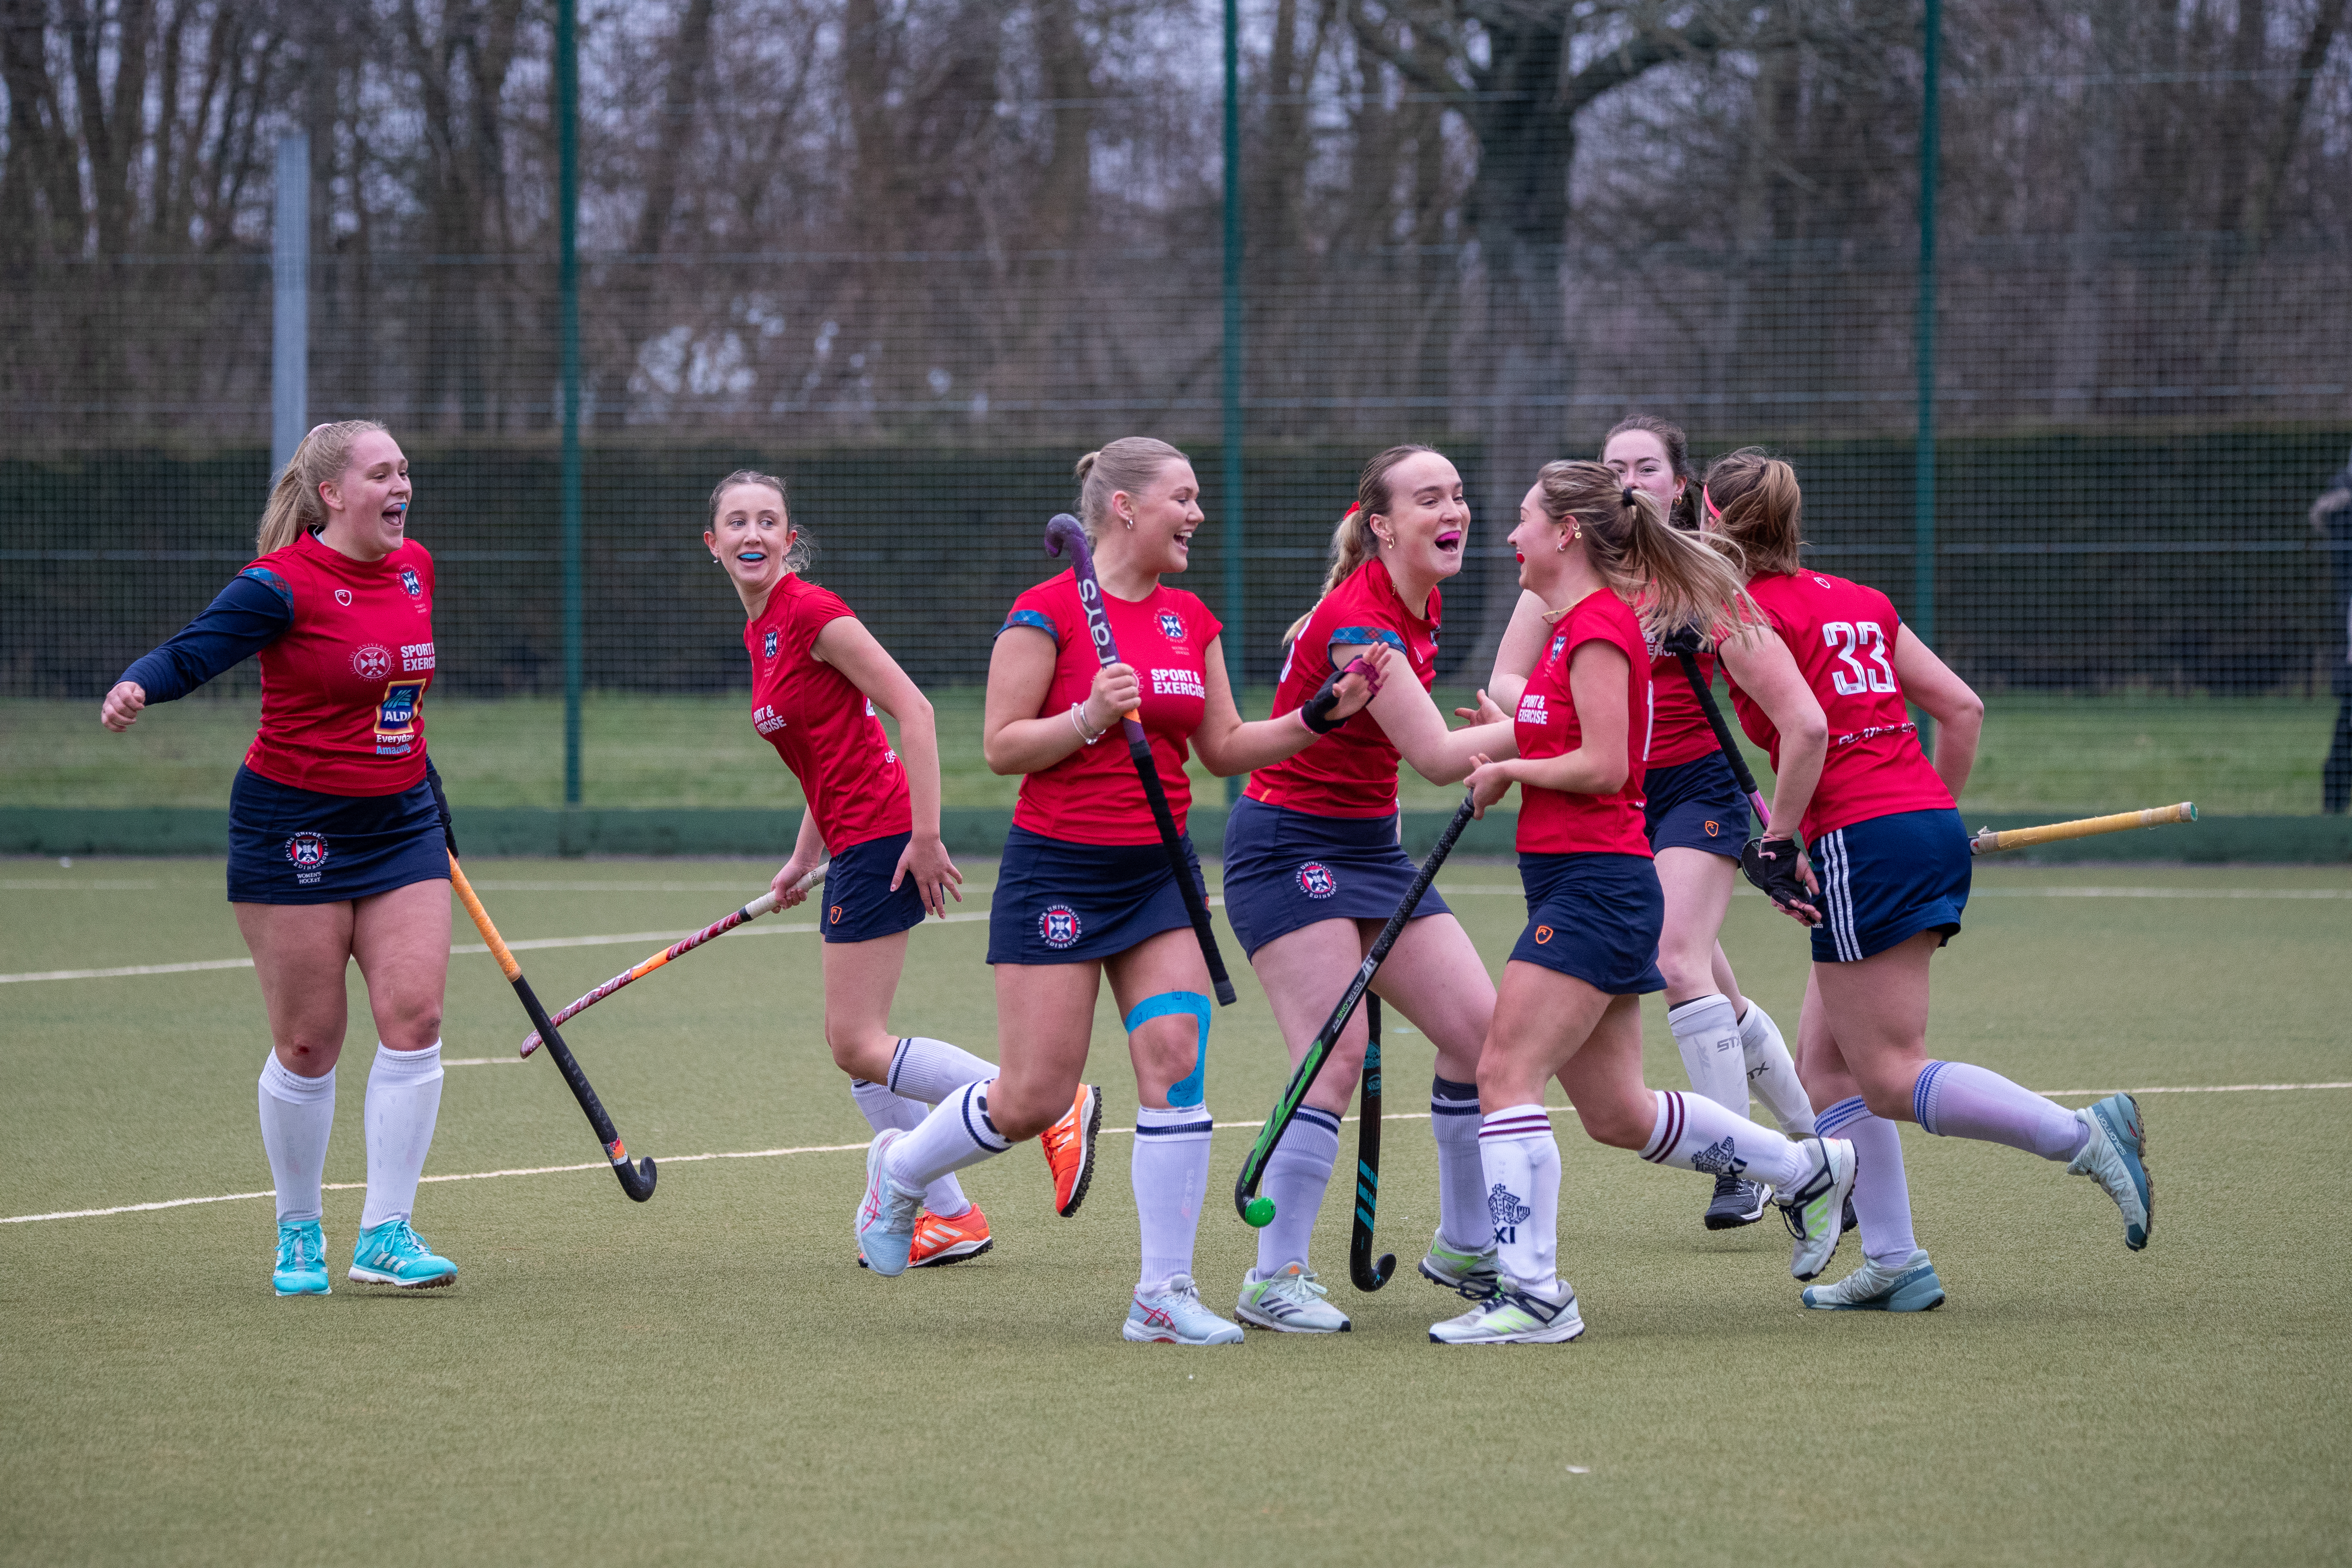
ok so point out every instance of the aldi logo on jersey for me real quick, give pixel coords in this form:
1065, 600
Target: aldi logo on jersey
1058, 926
1172, 625
768, 648
307, 851
372, 662
1314, 880
408, 581
396, 717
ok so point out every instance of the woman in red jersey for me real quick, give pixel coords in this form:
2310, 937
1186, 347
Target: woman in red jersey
339, 838
1085, 889
1889, 879
818, 678
1696, 821
1569, 1005
1312, 871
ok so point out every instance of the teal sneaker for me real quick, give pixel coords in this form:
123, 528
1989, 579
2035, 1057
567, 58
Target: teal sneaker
1515, 1314
301, 1259
1910, 1286
1174, 1315
2117, 1158
1469, 1275
392, 1254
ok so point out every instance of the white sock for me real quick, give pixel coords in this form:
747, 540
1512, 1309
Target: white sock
296, 1115
1956, 1100
1296, 1173
1695, 1135
1171, 1173
930, 1071
1521, 1160
1462, 1219
403, 1098
1882, 1198
884, 1110
1707, 1033
1771, 1076
956, 1134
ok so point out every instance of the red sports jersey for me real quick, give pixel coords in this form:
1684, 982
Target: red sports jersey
1557, 822
342, 691
1351, 772
820, 723
1092, 796
1842, 636
1679, 732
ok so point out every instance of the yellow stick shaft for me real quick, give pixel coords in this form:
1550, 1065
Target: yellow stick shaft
498, 946
1988, 841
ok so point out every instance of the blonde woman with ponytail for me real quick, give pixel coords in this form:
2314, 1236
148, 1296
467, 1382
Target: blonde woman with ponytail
1312, 871
339, 833
1568, 1007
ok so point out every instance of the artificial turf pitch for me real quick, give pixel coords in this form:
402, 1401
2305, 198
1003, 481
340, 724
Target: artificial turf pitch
710, 1376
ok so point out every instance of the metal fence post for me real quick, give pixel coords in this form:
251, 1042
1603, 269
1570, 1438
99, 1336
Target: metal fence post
1237, 576
567, 120
290, 277
1923, 478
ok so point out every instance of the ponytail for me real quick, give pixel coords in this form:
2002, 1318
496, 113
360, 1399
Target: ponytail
1756, 505
1352, 542
1678, 579
295, 508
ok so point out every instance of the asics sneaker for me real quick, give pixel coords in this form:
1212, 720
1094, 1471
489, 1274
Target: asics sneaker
1172, 1315
1289, 1301
1069, 1146
1469, 1275
1815, 1208
301, 1259
940, 1241
886, 1216
392, 1254
2116, 1157
1736, 1203
1515, 1315
1909, 1286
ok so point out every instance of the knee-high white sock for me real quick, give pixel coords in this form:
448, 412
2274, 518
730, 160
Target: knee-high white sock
1882, 1198
1956, 1100
1462, 1219
1771, 1076
297, 1114
1296, 1173
403, 1101
884, 1110
1695, 1135
957, 1133
1171, 1175
930, 1071
1521, 1160
1707, 1033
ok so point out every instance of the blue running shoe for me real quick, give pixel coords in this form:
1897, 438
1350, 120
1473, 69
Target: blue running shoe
2117, 1158
1909, 1286
886, 1216
392, 1254
301, 1259
1174, 1315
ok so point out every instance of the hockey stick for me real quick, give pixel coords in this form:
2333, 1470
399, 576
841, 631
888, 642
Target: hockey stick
1254, 1209
638, 1179
764, 904
1988, 841
1701, 690
1368, 1275
1064, 536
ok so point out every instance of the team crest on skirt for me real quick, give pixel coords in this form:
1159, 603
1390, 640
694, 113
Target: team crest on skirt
308, 853
1058, 926
769, 647
1172, 625
1543, 935
1714, 830
408, 581
1314, 880
835, 918
372, 662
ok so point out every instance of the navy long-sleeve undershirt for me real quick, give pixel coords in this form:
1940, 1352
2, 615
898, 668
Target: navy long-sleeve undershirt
245, 617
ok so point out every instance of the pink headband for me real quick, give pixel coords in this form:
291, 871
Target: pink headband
1712, 510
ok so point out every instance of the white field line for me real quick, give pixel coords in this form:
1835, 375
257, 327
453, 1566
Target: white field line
856, 1148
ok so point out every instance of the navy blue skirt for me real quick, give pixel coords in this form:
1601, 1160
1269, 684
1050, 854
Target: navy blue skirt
1286, 869
858, 903
1888, 879
1057, 902
288, 846
1596, 916
1695, 805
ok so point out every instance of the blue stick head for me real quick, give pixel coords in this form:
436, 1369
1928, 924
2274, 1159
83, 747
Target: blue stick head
1065, 535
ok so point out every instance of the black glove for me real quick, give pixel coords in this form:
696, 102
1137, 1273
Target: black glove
441, 804
1683, 640
1771, 865
1317, 715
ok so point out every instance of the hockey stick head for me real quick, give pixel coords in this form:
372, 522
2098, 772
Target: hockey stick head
636, 1176
1066, 535
1368, 1275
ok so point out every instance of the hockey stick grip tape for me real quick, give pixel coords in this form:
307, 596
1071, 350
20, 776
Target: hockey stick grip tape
497, 944
1990, 842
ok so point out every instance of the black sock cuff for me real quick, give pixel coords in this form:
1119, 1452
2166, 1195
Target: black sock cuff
1446, 1089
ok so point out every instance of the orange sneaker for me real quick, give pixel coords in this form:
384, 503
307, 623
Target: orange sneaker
939, 1241
1069, 1146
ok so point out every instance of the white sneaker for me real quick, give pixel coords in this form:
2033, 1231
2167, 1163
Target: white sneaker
1172, 1315
886, 1216
1815, 1207
1515, 1315
1290, 1301
2115, 1158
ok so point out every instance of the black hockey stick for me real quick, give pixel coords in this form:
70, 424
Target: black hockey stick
1368, 1275
1687, 657
1064, 535
636, 1178
1254, 1209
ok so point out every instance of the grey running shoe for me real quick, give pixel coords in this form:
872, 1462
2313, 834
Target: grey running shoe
1736, 1203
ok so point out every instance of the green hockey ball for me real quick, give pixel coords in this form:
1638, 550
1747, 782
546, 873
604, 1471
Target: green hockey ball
1259, 1211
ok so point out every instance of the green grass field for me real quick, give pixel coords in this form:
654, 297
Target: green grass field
710, 1378
2254, 756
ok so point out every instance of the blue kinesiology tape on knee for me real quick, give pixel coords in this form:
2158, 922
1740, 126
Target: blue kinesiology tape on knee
1194, 1089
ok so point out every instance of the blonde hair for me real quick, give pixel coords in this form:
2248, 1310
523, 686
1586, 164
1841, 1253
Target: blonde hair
294, 506
799, 555
1352, 541
1130, 464
1760, 508
1680, 579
